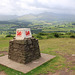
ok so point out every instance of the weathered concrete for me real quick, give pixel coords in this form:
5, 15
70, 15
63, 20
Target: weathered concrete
25, 67
24, 51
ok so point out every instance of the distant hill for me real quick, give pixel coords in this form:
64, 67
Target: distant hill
48, 17
43, 22
7, 17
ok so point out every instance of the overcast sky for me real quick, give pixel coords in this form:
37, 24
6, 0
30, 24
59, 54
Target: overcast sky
21, 7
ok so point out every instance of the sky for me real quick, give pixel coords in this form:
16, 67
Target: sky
22, 7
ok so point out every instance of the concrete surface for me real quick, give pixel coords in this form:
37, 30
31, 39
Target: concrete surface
25, 67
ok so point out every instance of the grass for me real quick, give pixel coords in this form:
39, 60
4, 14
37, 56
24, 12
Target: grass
58, 44
54, 46
4, 43
2, 36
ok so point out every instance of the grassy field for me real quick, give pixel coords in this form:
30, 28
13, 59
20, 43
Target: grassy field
62, 48
4, 43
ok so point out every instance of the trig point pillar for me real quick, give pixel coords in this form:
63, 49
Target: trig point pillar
24, 48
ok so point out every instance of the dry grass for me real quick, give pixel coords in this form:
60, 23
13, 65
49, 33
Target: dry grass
61, 45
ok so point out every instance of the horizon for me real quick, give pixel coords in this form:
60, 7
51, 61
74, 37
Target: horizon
37, 14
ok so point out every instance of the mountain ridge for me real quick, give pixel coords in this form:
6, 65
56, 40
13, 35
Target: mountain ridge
46, 16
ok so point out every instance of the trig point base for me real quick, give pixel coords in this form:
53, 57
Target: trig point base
24, 51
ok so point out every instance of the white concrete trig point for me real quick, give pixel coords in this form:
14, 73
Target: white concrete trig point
22, 33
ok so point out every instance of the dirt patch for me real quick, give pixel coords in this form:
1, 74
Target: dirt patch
62, 72
60, 53
2, 73
57, 73
70, 61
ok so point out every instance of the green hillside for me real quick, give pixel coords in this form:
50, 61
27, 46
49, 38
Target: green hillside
48, 17
44, 22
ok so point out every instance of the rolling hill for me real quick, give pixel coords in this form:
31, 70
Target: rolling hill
7, 17
43, 22
48, 17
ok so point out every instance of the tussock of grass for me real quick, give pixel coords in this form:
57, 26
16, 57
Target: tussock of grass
73, 68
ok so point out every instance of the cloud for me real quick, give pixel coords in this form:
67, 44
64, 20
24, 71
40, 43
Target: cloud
21, 7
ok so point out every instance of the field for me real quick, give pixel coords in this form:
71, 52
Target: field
37, 27
63, 63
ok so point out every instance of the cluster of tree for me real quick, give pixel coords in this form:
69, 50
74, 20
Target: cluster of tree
73, 23
54, 35
73, 31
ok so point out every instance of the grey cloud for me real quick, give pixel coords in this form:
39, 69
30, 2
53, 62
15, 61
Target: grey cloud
21, 7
